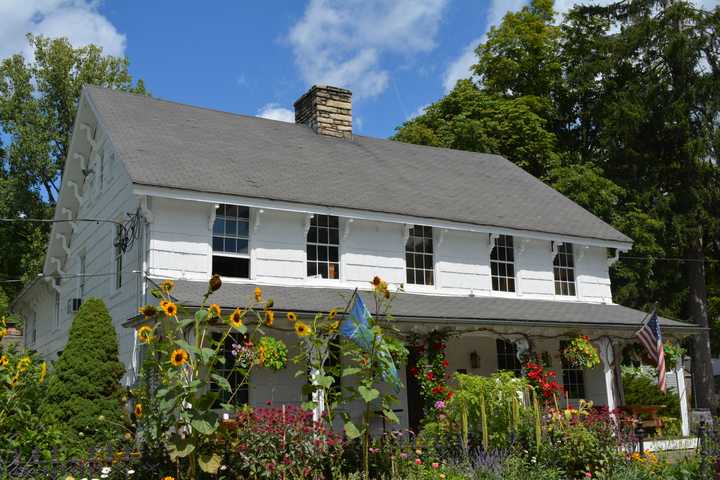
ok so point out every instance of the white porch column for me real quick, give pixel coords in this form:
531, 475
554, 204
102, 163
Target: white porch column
318, 395
682, 393
607, 358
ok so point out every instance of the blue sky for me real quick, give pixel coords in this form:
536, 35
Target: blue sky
256, 58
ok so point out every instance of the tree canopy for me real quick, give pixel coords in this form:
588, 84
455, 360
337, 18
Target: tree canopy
622, 103
38, 103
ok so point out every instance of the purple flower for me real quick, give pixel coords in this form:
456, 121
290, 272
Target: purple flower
439, 405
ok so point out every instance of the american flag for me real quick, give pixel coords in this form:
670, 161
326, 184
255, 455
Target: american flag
651, 338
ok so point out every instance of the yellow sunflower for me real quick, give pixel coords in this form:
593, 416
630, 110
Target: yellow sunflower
261, 355
332, 314
376, 281
163, 303
179, 357
4, 360
169, 308
3, 333
258, 294
167, 285
334, 325
24, 363
144, 334
215, 283
149, 311
168, 477
235, 318
302, 329
138, 410
291, 316
269, 317
214, 310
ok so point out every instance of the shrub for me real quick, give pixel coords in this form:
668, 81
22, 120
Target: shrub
85, 397
281, 443
642, 389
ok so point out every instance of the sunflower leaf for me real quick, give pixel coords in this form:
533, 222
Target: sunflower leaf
187, 347
201, 315
351, 430
209, 462
221, 382
368, 394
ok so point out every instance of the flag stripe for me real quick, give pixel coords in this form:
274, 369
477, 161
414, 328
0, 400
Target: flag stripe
650, 337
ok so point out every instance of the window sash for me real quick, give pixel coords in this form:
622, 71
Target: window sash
502, 264
322, 247
564, 271
573, 378
420, 256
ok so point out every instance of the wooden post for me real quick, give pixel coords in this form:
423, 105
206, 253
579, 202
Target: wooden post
682, 393
607, 356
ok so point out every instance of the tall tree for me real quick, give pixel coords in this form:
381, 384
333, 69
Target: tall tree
38, 102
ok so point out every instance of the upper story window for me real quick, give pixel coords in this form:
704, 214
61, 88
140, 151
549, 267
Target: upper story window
231, 254
502, 264
323, 247
564, 270
420, 265
507, 358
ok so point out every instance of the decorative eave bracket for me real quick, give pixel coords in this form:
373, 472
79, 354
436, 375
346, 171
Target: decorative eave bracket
308, 219
346, 231
256, 224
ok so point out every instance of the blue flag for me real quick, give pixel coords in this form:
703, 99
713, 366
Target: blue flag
356, 327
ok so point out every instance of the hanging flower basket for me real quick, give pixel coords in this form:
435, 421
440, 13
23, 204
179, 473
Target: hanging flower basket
580, 353
272, 353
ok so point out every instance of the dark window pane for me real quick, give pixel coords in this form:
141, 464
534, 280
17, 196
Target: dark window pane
242, 229
511, 285
419, 263
410, 275
322, 220
429, 262
334, 237
428, 277
494, 269
231, 267
322, 253
333, 221
322, 235
243, 212
511, 270
220, 210
218, 226
333, 270
495, 283
333, 254
311, 269
230, 245
503, 284
311, 252
217, 244
231, 210
323, 269
428, 245
558, 289
571, 289
230, 227
409, 260
242, 246
312, 235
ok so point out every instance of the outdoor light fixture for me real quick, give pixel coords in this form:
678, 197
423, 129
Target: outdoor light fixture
474, 361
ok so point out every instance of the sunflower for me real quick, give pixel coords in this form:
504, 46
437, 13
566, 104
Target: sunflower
4, 360
179, 357
291, 316
138, 410
258, 294
214, 310
334, 326
3, 332
168, 477
43, 372
302, 329
167, 285
332, 314
215, 283
269, 317
144, 334
235, 318
376, 281
261, 355
169, 308
149, 311
24, 363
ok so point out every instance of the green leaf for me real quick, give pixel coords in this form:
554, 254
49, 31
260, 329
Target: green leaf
351, 430
201, 315
324, 381
308, 405
186, 346
155, 292
210, 462
185, 322
221, 382
300, 373
242, 329
206, 354
350, 371
179, 447
390, 415
368, 394
205, 423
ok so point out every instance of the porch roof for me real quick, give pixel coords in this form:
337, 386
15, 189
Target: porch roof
442, 309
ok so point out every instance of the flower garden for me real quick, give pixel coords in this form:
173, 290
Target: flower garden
187, 417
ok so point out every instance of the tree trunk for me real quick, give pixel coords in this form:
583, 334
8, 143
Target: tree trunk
702, 371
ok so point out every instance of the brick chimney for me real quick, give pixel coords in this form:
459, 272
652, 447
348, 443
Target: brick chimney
327, 110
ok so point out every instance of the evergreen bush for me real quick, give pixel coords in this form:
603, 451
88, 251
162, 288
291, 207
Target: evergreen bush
85, 397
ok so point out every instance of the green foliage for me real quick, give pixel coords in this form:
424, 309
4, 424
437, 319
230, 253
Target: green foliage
641, 389
22, 388
84, 395
274, 353
38, 102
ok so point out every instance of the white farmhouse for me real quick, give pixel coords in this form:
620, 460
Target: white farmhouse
309, 212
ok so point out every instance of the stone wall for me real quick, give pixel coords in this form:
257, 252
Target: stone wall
327, 110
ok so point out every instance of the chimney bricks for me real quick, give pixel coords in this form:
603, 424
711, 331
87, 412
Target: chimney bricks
327, 110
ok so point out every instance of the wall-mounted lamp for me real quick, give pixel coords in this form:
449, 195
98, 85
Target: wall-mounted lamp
474, 360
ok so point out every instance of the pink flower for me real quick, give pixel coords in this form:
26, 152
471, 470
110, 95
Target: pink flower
439, 405
588, 474
418, 461
435, 465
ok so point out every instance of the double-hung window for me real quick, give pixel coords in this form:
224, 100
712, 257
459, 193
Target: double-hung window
230, 240
564, 270
323, 247
507, 358
502, 264
573, 378
419, 260
239, 388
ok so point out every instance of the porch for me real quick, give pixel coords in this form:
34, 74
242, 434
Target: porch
484, 334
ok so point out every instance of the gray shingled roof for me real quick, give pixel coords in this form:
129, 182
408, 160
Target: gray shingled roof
441, 309
173, 145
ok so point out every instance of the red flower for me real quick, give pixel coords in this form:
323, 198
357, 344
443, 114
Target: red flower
450, 394
430, 376
438, 389
445, 363
414, 371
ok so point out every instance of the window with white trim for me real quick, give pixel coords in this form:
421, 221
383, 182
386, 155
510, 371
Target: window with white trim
118, 256
564, 270
507, 356
573, 378
323, 247
419, 261
230, 241
502, 264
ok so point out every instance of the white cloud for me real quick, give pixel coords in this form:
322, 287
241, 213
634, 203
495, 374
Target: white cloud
343, 43
418, 111
78, 20
274, 111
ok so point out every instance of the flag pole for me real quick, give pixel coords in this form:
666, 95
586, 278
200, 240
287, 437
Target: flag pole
350, 301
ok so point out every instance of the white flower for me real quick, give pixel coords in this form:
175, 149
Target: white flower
105, 470
223, 467
130, 472
103, 475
